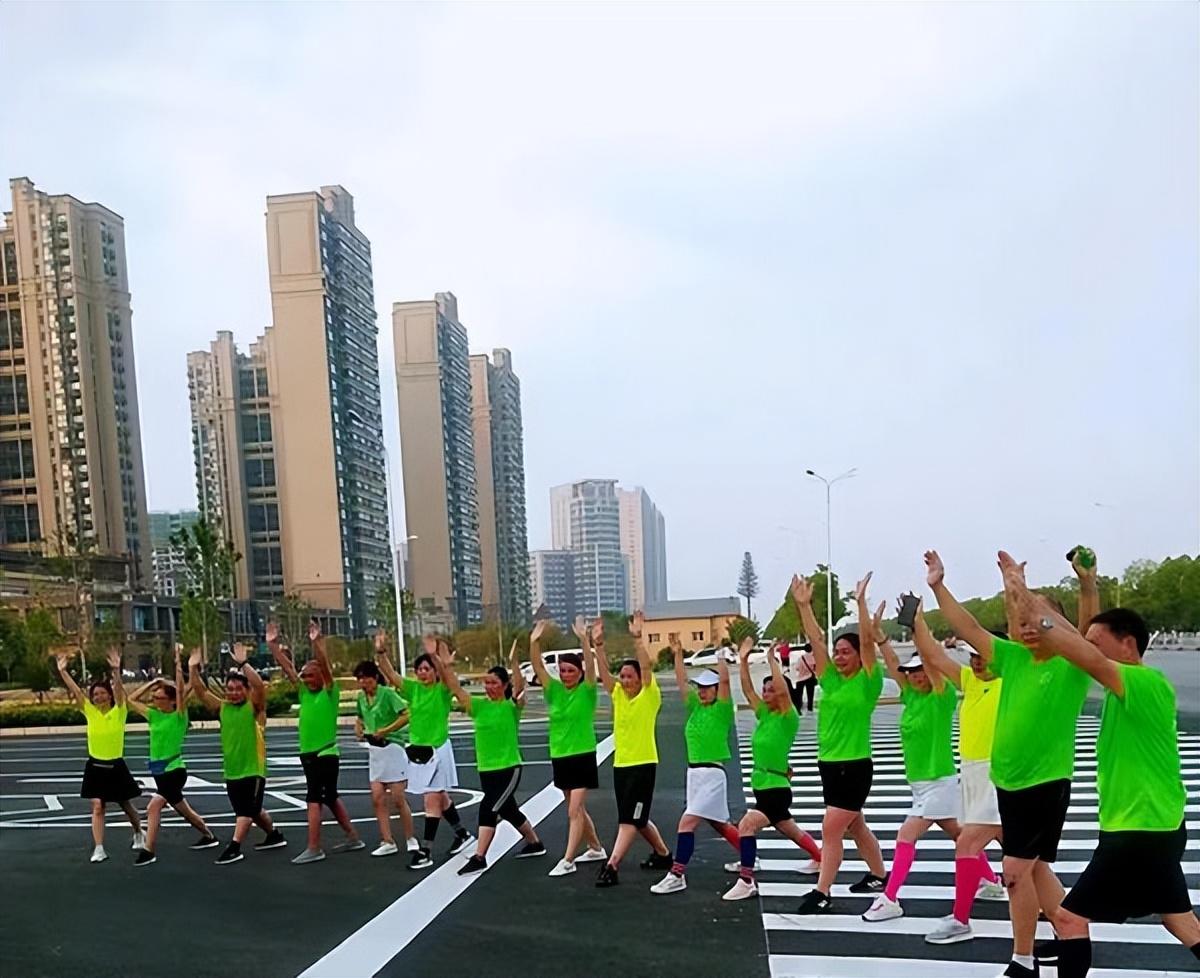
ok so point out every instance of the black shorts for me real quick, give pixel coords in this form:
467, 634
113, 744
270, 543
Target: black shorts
846, 784
575, 771
1032, 819
108, 781
246, 795
774, 803
1132, 874
170, 785
499, 796
634, 787
321, 777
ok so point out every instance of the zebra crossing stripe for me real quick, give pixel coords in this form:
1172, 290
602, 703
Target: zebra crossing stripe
820, 966
910, 892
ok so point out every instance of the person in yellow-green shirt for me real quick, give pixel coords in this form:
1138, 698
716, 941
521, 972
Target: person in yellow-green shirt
319, 755
106, 777
636, 700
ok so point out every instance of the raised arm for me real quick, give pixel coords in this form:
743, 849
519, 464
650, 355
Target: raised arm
748, 690
723, 673
603, 672
802, 594
636, 623
63, 660
933, 654
113, 655
775, 664
279, 653
585, 648
133, 701
199, 687
181, 690
317, 640
962, 621
868, 650
384, 661
258, 689
1089, 592
514, 670
535, 651
891, 661
681, 677
445, 668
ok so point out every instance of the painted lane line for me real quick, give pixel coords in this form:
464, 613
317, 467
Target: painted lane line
373, 945
943, 867
52, 803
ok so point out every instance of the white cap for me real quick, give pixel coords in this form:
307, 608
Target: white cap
706, 678
914, 662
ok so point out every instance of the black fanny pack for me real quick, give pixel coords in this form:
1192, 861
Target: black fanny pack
419, 753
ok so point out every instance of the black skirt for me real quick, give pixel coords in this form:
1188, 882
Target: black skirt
108, 781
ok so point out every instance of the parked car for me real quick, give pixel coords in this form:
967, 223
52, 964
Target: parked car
698, 660
551, 660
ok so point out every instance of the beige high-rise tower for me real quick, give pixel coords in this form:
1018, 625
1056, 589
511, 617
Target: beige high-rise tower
70, 437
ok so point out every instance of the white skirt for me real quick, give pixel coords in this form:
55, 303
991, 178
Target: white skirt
387, 764
707, 796
438, 774
936, 799
980, 806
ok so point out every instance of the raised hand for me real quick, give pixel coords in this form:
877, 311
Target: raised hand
802, 590
744, 648
539, 629
598, 631
951, 642
271, 636
240, 653
635, 624
675, 644
935, 570
195, 659
579, 627
877, 623
314, 630
381, 642
1012, 572
62, 660
860, 589
430, 644
1086, 575
113, 657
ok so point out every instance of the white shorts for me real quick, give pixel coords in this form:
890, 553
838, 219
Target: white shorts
936, 799
438, 774
387, 764
707, 795
980, 806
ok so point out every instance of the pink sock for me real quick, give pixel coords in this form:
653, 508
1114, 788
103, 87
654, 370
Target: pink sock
988, 873
809, 846
901, 863
967, 874
730, 833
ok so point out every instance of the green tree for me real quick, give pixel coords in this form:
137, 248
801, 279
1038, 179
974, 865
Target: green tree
748, 582
41, 634
210, 561
740, 627
106, 633
12, 642
785, 623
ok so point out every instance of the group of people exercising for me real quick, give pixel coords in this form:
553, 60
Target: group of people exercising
1021, 695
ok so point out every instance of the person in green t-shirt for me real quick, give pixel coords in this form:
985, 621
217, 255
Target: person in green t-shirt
243, 718
570, 699
496, 716
1033, 752
927, 742
106, 777
168, 721
710, 719
381, 721
771, 777
320, 699
432, 770
636, 700
851, 682
1135, 870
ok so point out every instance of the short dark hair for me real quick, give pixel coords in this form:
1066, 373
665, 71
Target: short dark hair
171, 691
367, 670
502, 674
634, 664
237, 677
101, 684
424, 657
571, 659
1125, 623
852, 638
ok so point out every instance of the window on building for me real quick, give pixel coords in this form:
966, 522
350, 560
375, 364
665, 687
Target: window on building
654, 638
260, 472
16, 459
19, 523
14, 395
697, 636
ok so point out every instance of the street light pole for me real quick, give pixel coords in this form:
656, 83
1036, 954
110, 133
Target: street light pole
829, 483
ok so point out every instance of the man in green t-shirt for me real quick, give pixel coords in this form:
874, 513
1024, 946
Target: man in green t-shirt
1033, 755
1135, 870
319, 755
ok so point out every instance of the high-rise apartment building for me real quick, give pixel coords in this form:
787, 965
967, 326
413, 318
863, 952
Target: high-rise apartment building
71, 474
644, 543
500, 484
594, 537
552, 585
560, 517
171, 576
433, 391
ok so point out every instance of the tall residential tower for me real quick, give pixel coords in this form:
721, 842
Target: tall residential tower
644, 543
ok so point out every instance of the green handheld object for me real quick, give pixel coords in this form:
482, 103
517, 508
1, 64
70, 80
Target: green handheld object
1087, 558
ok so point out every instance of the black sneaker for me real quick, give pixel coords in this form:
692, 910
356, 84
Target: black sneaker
475, 864
205, 842
531, 849
1015, 970
144, 858
272, 840
814, 902
231, 854
607, 877
869, 884
421, 859
655, 861
462, 839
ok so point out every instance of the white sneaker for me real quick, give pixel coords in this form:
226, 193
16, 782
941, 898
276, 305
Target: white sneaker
669, 884
741, 890
564, 868
593, 856
139, 841
990, 891
99, 855
949, 931
736, 866
412, 845
810, 868
386, 849
883, 909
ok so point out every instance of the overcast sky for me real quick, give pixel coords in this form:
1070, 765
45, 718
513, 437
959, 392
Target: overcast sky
952, 245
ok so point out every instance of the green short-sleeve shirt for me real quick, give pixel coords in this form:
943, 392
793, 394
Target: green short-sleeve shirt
927, 733
167, 730
771, 745
496, 725
318, 720
572, 715
382, 711
844, 720
429, 712
707, 730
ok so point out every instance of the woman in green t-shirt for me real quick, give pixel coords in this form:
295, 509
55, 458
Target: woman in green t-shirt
571, 706
432, 771
381, 719
497, 717
167, 718
106, 777
850, 681
771, 776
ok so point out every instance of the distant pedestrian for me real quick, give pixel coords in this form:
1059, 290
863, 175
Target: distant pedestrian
804, 677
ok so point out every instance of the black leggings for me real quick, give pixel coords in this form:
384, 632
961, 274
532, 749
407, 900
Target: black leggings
500, 798
799, 689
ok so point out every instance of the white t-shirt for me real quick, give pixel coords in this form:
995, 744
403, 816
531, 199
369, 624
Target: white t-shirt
803, 666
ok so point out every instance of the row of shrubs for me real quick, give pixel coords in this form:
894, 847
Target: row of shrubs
280, 700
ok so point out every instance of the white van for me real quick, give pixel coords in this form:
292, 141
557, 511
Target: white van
551, 660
